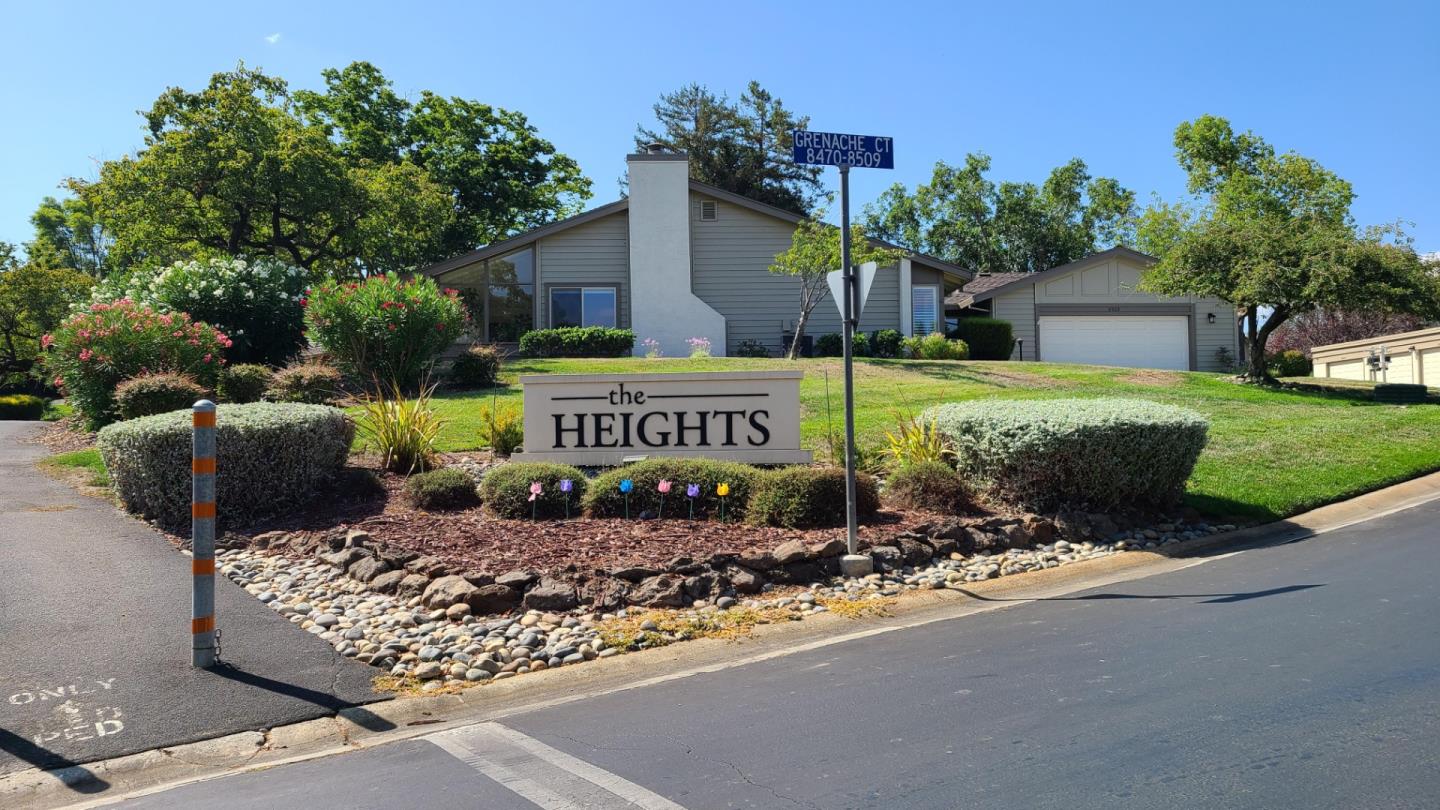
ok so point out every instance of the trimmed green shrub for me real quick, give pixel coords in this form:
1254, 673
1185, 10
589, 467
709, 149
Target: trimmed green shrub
606, 500
447, 488
243, 383
833, 345
809, 497
268, 456
886, 343
1100, 454
306, 381
21, 406
1290, 363
505, 490
577, 341
96, 348
256, 301
476, 367
935, 346
988, 338
931, 485
384, 328
750, 348
149, 394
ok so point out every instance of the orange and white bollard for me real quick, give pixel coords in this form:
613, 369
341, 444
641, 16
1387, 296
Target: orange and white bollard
202, 536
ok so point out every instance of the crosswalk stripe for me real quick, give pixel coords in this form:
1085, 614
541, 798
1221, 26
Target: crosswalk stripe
545, 776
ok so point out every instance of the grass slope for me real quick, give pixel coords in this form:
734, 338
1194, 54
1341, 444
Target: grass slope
1271, 454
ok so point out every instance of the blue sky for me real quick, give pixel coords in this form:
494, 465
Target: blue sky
1354, 86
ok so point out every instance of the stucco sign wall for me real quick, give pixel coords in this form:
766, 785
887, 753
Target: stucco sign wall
603, 419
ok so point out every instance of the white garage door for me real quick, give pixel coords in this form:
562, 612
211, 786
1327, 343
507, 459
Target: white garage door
1139, 341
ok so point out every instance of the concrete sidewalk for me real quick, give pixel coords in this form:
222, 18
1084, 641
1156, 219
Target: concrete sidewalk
95, 636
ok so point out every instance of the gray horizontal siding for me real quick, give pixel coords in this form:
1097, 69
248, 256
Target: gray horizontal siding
1018, 308
594, 254
1211, 337
731, 257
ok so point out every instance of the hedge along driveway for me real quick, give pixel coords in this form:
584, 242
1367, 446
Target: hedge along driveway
1271, 453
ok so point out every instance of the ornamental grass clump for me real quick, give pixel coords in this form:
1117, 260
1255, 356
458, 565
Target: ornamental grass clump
98, 347
506, 490
606, 499
269, 456
809, 497
1098, 454
384, 328
403, 430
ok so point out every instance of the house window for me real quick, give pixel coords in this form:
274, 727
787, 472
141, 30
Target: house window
924, 309
583, 306
510, 308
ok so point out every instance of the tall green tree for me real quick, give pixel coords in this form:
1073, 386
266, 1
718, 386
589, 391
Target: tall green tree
500, 175
1274, 234
233, 170
34, 298
69, 234
741, 146
964, 217
813, 253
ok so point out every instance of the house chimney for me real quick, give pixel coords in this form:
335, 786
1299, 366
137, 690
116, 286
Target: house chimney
662, 304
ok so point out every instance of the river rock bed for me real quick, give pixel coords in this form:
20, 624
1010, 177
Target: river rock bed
437, 644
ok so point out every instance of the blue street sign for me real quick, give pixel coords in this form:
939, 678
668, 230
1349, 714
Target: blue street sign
836, 149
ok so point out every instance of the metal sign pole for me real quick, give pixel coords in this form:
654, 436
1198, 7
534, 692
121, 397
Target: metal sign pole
851, 303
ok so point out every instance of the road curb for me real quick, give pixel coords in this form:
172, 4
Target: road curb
367, 726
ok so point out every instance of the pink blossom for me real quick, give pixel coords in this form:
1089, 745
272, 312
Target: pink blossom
206, 358
85, 354
47, 340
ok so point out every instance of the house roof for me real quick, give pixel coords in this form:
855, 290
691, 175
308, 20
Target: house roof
1007, 282
520, 240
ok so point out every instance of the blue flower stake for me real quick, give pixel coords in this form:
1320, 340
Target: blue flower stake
692, 491
625, 487
566, 485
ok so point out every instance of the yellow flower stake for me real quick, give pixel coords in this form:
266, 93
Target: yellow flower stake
722, 491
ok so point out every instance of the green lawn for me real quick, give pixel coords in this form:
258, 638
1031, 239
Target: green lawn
87, 459
1271, 453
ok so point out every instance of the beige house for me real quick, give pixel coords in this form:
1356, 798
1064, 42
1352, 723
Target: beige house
1414, 357
1092, 311
676, 259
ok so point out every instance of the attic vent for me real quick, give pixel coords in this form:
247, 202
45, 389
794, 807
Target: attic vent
709, 211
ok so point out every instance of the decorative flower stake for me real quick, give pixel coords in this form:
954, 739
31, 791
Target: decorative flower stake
692, 491
566, 485
625, 487
664, 488
722, 491
535, 489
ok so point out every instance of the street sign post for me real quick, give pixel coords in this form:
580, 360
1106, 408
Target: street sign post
843, 151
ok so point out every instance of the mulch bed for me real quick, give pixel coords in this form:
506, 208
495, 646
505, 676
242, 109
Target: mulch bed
470, 539
64, 436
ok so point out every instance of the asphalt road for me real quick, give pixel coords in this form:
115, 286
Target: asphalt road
95, 636
1297, 676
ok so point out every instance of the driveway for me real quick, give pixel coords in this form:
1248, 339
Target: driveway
95, 635
1296, 676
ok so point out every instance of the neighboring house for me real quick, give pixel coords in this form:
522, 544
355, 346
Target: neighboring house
676, 259
1091, 311
1414, 358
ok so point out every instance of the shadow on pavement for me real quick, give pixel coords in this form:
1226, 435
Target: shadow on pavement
361, 716
1213, 598
75, 776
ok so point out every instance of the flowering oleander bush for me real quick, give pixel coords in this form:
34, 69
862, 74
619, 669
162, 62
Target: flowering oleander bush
93, 350
1100, 454
699, 347
384, 328
256, 302
268, 456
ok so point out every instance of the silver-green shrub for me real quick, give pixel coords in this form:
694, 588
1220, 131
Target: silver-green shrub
268, 456
1094, 453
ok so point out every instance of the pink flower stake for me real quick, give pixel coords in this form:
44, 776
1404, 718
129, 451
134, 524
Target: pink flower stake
664, 489
535, 489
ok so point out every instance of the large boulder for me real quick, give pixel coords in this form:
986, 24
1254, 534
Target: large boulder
447, 591
345, 557
791, 551
388, 582
757, 559
744, 580
519, 580
662, 590
412, 585
368, 568
494, 598
427, 565
551, 595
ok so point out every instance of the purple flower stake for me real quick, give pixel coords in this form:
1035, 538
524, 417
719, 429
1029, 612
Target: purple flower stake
625, 487
566, 485
692, 491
